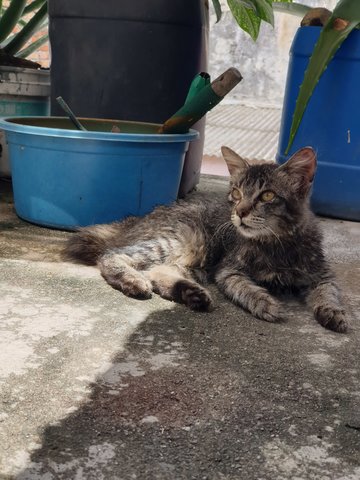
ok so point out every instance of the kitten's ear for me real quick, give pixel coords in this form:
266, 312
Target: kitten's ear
234, 162
302, 164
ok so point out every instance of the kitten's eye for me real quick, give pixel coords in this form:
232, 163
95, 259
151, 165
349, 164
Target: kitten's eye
267, 196
236, 194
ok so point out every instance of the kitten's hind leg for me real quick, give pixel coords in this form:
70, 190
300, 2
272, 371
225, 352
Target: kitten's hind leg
119, 270
176, 283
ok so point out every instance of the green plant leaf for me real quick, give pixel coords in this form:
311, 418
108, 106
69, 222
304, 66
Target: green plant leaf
344, 19
33, 6
26, 52
293, 8
265, 11
262, 8
33, 25
249, 14
246, 16
217, 8
9, 38
246, 4
11, 17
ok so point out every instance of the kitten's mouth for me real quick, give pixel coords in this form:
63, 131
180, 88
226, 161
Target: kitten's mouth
239, 223
255, 227
245, 229
244, 226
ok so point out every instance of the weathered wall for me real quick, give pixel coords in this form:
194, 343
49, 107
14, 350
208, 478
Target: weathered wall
263, 64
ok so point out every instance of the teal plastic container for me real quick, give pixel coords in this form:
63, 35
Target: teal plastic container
331, 124
65, 178
23, 92
22, 106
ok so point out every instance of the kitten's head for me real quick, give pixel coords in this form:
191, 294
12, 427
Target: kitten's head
268, 199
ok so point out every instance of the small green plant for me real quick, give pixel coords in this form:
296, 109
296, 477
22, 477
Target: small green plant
19, 21
342, 21
250, 13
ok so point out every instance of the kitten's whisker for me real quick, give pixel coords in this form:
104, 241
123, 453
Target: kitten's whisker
221, 231
258, 222
225, 229
266, 227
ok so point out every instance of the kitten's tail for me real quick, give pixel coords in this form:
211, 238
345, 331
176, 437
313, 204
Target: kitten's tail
87, 245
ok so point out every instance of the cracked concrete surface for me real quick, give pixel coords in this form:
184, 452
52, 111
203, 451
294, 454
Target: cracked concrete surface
94, 385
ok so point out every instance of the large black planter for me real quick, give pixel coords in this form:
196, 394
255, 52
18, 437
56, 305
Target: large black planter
131, 60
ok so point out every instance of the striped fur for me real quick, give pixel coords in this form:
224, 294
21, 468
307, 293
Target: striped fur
264, 240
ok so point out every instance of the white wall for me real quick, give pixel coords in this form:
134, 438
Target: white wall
263, 64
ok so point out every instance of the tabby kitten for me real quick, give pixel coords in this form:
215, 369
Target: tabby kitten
260, 240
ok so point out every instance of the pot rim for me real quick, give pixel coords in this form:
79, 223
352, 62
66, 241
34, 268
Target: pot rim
8, 125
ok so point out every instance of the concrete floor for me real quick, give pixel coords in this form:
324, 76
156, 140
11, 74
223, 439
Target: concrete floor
94, 385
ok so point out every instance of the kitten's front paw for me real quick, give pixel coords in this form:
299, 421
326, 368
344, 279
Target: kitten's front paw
268, 309
332, 318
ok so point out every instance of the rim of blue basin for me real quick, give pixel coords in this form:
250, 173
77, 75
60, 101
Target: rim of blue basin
8, 124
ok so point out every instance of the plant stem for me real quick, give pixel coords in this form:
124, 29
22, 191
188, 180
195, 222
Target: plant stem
11, 17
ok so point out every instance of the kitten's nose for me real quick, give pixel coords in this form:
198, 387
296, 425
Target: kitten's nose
243, 210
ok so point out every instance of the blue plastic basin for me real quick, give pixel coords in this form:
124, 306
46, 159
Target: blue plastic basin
65, 178
331, 124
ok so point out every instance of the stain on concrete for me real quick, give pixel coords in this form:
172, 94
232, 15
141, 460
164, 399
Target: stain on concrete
320, 360
312, 460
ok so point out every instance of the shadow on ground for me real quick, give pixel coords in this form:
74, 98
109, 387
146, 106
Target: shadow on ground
190, 396
215, 396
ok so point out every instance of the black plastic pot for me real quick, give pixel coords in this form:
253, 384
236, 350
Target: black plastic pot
129, 60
